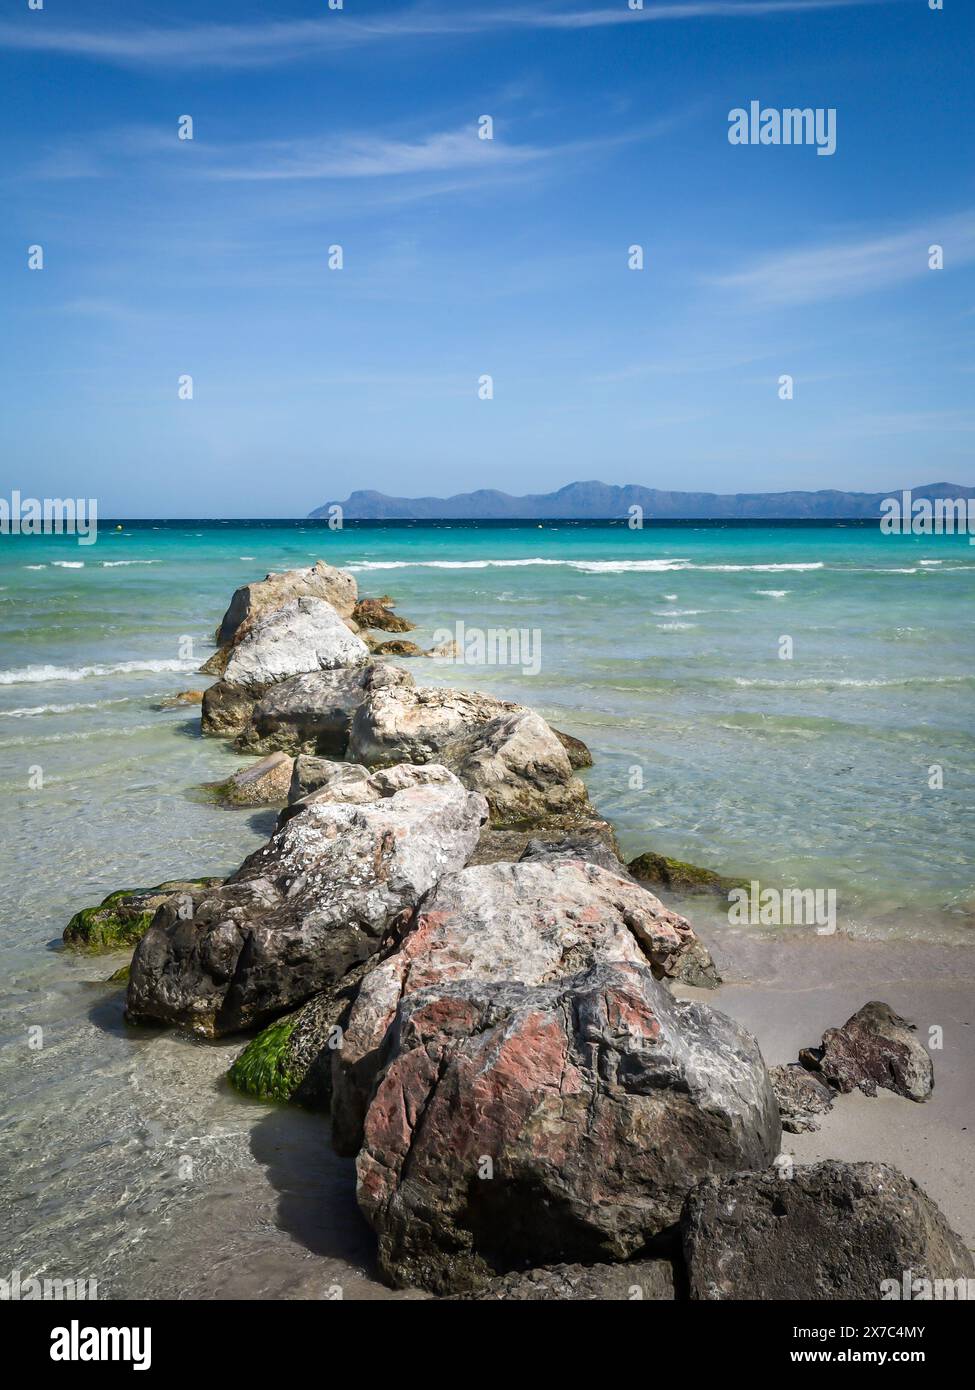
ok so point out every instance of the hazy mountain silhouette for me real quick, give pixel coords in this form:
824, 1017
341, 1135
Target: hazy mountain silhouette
597, 501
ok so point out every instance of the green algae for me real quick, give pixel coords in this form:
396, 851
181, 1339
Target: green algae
265, 1068
681, 877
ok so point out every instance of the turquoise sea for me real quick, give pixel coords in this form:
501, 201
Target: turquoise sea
660, 648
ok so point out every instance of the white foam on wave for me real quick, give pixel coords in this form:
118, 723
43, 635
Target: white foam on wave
814, 682
31, 711
659, 566
30, 675
69, 564
762, 569
674, 627
35, 567
114, 564
773, 593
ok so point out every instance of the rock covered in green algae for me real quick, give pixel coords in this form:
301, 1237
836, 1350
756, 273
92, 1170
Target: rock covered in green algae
291, 1059
681, 877
265, 783
123, 918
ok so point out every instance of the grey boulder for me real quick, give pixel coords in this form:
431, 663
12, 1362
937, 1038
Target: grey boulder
254, 601
312, 713
503, 750
315, 901
306, 634
831, 1230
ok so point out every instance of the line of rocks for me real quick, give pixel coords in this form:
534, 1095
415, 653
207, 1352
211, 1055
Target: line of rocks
447, 954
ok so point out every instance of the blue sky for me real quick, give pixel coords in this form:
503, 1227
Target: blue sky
464, 257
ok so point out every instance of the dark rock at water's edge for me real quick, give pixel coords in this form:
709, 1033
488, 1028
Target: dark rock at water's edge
680, 877
376, 613
396, 647
181, 699
560, 1122
315, 901
829, 1230
595, 843
291, 1059
876, 1047
125, 915
579, 755
264, 783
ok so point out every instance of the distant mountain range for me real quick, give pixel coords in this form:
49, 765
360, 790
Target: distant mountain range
600, 501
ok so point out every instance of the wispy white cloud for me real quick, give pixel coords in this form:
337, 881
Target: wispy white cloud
366, 156
852, 267
265, 44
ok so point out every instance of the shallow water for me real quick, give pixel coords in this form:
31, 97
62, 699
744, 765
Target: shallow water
123, 1153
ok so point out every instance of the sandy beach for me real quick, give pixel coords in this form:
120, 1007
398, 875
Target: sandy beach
787, 990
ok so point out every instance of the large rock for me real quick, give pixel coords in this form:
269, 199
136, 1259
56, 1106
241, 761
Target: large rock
356, 785
316, 900
533, 922
255, 601
516, 1124
414, 724
503, 750
519, 765
306, 635
829, 1231
311, 713
876, 1047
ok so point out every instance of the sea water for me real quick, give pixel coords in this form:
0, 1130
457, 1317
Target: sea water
789, 703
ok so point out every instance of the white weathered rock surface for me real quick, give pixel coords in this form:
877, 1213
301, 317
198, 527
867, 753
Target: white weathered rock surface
316, 900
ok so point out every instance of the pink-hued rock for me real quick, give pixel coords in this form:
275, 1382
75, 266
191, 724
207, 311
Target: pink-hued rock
516, 1124
533, 922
